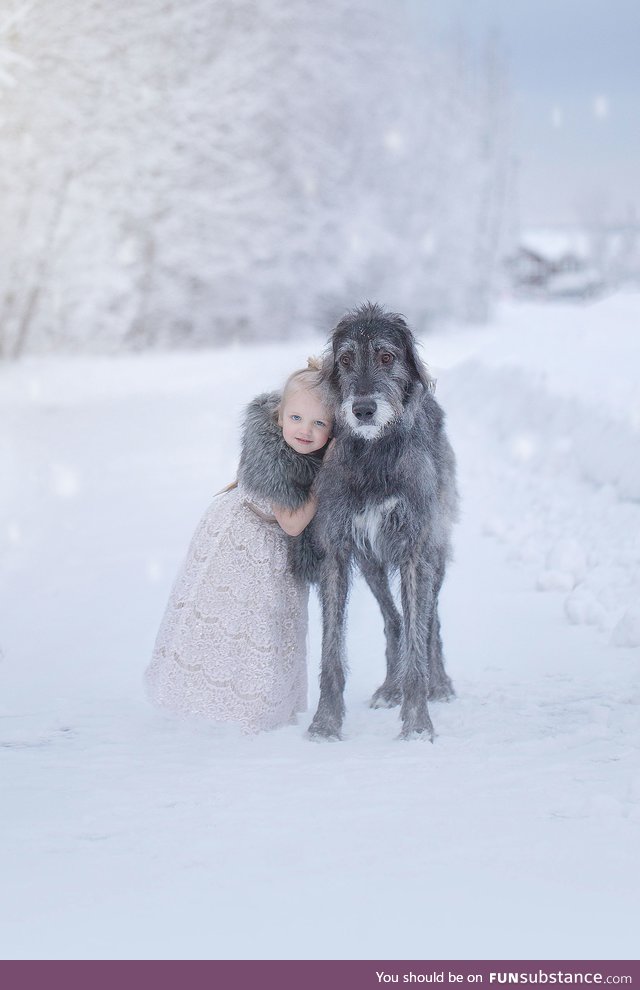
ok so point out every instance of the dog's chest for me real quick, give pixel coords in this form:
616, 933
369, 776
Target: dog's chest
367, 526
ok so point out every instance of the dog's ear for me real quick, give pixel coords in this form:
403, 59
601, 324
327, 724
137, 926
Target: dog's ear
329, 363
414, 361
418, 365
328, 370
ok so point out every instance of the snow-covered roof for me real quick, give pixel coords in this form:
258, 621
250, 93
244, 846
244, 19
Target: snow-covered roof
554, 243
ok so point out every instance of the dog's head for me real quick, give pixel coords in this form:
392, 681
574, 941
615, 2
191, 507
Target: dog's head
374, 370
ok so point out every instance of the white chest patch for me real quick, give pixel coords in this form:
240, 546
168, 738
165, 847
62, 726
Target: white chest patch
366, 525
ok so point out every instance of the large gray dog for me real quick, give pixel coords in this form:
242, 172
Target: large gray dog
386, 501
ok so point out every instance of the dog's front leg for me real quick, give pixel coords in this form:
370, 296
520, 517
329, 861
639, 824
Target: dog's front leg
334, 588
418, 601
389, 694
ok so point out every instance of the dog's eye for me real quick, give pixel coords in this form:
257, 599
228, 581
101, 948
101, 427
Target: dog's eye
386, 358
345, 360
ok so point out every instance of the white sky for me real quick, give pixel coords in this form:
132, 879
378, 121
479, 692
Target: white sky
575, 74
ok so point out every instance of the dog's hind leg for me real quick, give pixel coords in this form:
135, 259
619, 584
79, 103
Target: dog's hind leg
389, 694
418, 604
440, 685
334, 588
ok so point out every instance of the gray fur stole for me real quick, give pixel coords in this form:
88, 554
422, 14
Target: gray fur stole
269, 467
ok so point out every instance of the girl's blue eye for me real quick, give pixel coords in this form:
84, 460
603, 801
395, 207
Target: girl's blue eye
295, 416
320, 424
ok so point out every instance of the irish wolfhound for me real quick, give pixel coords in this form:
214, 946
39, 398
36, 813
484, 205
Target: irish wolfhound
386, 501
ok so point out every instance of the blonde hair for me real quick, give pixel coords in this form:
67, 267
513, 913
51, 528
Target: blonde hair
310, 378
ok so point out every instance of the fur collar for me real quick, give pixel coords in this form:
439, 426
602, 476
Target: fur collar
269, 467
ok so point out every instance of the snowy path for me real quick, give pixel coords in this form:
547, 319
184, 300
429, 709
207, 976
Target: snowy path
127, 835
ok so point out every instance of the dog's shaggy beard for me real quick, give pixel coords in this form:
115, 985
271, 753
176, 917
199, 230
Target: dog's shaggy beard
385, 413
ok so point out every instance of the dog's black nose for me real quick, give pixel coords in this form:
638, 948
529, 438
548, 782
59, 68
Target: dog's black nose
364, 409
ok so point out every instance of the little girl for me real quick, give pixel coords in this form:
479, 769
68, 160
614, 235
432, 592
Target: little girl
232, 643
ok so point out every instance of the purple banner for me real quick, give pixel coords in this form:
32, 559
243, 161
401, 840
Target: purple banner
313, 974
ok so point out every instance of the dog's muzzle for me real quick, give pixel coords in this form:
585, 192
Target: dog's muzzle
367, 415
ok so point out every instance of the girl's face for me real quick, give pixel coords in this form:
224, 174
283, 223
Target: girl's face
306, 424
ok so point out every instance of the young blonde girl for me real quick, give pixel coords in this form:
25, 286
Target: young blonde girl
232, 643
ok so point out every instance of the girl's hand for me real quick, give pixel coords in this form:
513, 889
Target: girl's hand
293, 521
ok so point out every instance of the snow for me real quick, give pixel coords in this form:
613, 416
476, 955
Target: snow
127, 834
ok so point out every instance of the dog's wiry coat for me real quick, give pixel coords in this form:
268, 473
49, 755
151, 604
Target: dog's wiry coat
386, 501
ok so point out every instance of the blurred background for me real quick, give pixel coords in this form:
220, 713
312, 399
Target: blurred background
185, 175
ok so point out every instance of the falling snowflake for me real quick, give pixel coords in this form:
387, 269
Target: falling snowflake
523, 447
34, 389
65, 482
154, 570
14, 534
600, 107
428, 244
310, 184
394, 142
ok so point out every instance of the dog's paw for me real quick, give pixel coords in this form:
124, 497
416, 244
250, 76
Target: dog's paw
417, 728
407, 735
443, 691
319, 730
386, 697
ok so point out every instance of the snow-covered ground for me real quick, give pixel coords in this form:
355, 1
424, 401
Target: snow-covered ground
126, 834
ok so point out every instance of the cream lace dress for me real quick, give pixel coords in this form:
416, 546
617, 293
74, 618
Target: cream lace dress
232, 643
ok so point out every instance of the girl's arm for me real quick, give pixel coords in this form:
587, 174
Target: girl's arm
293, 521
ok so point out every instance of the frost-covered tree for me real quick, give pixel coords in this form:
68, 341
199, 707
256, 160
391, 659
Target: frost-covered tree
227, 169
